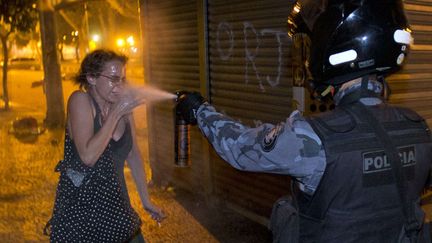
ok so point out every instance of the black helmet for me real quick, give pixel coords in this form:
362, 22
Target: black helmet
352, 38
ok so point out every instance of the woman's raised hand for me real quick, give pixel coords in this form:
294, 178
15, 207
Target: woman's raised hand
129, 100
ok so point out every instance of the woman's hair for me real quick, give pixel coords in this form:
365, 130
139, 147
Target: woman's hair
94, 63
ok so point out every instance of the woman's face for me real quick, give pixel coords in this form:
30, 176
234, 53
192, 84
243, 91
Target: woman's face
111, 81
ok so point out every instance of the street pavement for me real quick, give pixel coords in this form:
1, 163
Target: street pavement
28, 181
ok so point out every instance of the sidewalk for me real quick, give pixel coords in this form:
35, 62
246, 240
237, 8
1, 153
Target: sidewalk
28, 182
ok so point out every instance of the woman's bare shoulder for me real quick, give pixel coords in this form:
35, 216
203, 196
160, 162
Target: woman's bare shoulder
79, 100
78, 97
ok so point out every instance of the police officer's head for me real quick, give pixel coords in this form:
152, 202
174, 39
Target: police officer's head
352, 38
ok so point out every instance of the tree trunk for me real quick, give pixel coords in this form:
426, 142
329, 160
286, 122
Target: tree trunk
5, 69
55, 116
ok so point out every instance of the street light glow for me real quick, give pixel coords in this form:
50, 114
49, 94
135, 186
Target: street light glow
96, 38
120, 42
130, 40
92, 45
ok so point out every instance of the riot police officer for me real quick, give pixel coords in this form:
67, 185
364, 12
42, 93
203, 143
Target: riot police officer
360, 168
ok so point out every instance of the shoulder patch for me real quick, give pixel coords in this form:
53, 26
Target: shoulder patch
269, 140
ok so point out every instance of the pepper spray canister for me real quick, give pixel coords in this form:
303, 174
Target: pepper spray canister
181, 139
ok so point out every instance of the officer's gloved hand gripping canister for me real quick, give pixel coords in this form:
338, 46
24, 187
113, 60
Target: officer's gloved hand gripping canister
187, 104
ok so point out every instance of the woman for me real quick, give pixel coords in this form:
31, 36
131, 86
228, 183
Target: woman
92, 201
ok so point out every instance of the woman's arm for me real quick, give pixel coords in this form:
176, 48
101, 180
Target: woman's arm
136, 166
90, 146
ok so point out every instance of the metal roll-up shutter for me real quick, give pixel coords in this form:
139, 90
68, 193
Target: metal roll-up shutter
412, 86
250, 80
173, 64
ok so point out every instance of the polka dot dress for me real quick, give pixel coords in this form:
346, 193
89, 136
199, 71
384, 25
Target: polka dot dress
90, 208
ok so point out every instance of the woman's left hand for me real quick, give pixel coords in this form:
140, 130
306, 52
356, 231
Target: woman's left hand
155, 212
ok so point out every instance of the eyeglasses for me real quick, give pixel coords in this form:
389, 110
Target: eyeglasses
114, 80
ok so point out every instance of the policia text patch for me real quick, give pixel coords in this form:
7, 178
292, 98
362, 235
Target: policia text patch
377, 169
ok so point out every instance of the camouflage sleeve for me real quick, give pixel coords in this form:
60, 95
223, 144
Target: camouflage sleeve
290, 147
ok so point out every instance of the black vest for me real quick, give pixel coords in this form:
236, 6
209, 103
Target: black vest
357, 199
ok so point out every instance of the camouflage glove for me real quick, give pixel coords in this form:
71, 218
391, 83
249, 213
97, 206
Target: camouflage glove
188, 104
